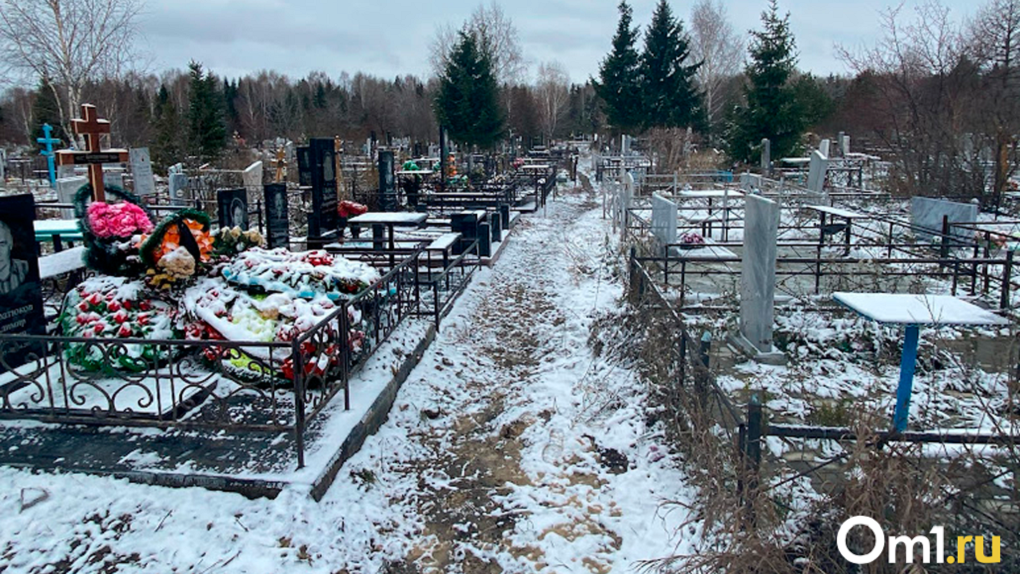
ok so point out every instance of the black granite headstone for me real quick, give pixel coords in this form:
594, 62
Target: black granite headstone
495, 223
21, 305
304, 156
387, 185
484, 240
323, 219
277, 216
233, 208
465, 223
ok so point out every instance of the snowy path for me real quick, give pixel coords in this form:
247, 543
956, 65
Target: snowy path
511, 448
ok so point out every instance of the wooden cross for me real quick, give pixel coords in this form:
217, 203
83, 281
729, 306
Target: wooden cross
92, 127
281, 165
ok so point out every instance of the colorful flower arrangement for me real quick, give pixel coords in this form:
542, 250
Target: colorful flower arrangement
109, 230
299, 274
177, 250
348, 209
232, 241
104, 307
692, 240
120, 220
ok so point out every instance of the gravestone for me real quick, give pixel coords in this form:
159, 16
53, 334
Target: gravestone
304, 156
816, 173
233, 208
758, 275
65, 171
277, 216
141, 170
251, 177
387, 185
844, 145
320, 160
825, 148
624, 144
113, 178
927, 215
66, 189
750, 181
766, 155
3, 166
664, 220
178, 189
21, 305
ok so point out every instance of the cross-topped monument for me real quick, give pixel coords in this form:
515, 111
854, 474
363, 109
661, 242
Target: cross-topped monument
92, 127
48, 140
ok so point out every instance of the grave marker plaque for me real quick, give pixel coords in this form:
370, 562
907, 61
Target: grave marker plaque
323, 219
141, 170
387, 185
277, 216
233, 208
21, 306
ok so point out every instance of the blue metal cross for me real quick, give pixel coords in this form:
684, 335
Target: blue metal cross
48, 141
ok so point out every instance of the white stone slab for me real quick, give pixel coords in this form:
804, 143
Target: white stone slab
141, 171
907, 309
664, 220
927, 214
758, 272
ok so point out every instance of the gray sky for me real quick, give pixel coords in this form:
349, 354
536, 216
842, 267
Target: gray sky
391, 37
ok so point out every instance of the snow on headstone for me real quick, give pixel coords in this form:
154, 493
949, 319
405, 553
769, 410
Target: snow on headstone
816, 173
141, 171
251, 177
664, 220
927, 214
67, 187
758, 272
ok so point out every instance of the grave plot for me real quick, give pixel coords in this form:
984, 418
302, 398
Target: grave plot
260, 366
814, 328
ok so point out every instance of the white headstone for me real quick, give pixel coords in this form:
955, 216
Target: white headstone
816, 173
664, 220
113, 178
65, 171
825, 148
67, 187
624, 144
927, 215
252, 177
175, 168
766, 155
141, 171
844, 145
750, 181
758, 272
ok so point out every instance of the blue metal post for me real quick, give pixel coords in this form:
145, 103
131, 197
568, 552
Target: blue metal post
48, 141
907, 363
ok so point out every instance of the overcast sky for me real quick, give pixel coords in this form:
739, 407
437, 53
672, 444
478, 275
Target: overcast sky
391, 37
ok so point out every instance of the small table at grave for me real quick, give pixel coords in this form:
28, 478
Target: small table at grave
913, 312
57, 230
831, 213
389, 221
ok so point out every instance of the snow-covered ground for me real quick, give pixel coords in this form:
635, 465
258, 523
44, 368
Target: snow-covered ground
511, 448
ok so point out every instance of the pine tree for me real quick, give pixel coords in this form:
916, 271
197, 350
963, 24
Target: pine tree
208, 131
619, 76
167, 144
771, 110
45, 110
468, 99
668, 93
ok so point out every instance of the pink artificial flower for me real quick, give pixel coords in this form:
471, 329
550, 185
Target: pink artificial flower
117, 220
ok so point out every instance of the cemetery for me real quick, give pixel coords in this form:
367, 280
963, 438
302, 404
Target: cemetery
266, 357
709, 302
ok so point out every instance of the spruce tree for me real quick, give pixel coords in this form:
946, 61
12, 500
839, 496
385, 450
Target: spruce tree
208, 131
771, 110
619, 76
45, 110
167, 144
468, 99
668, 93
